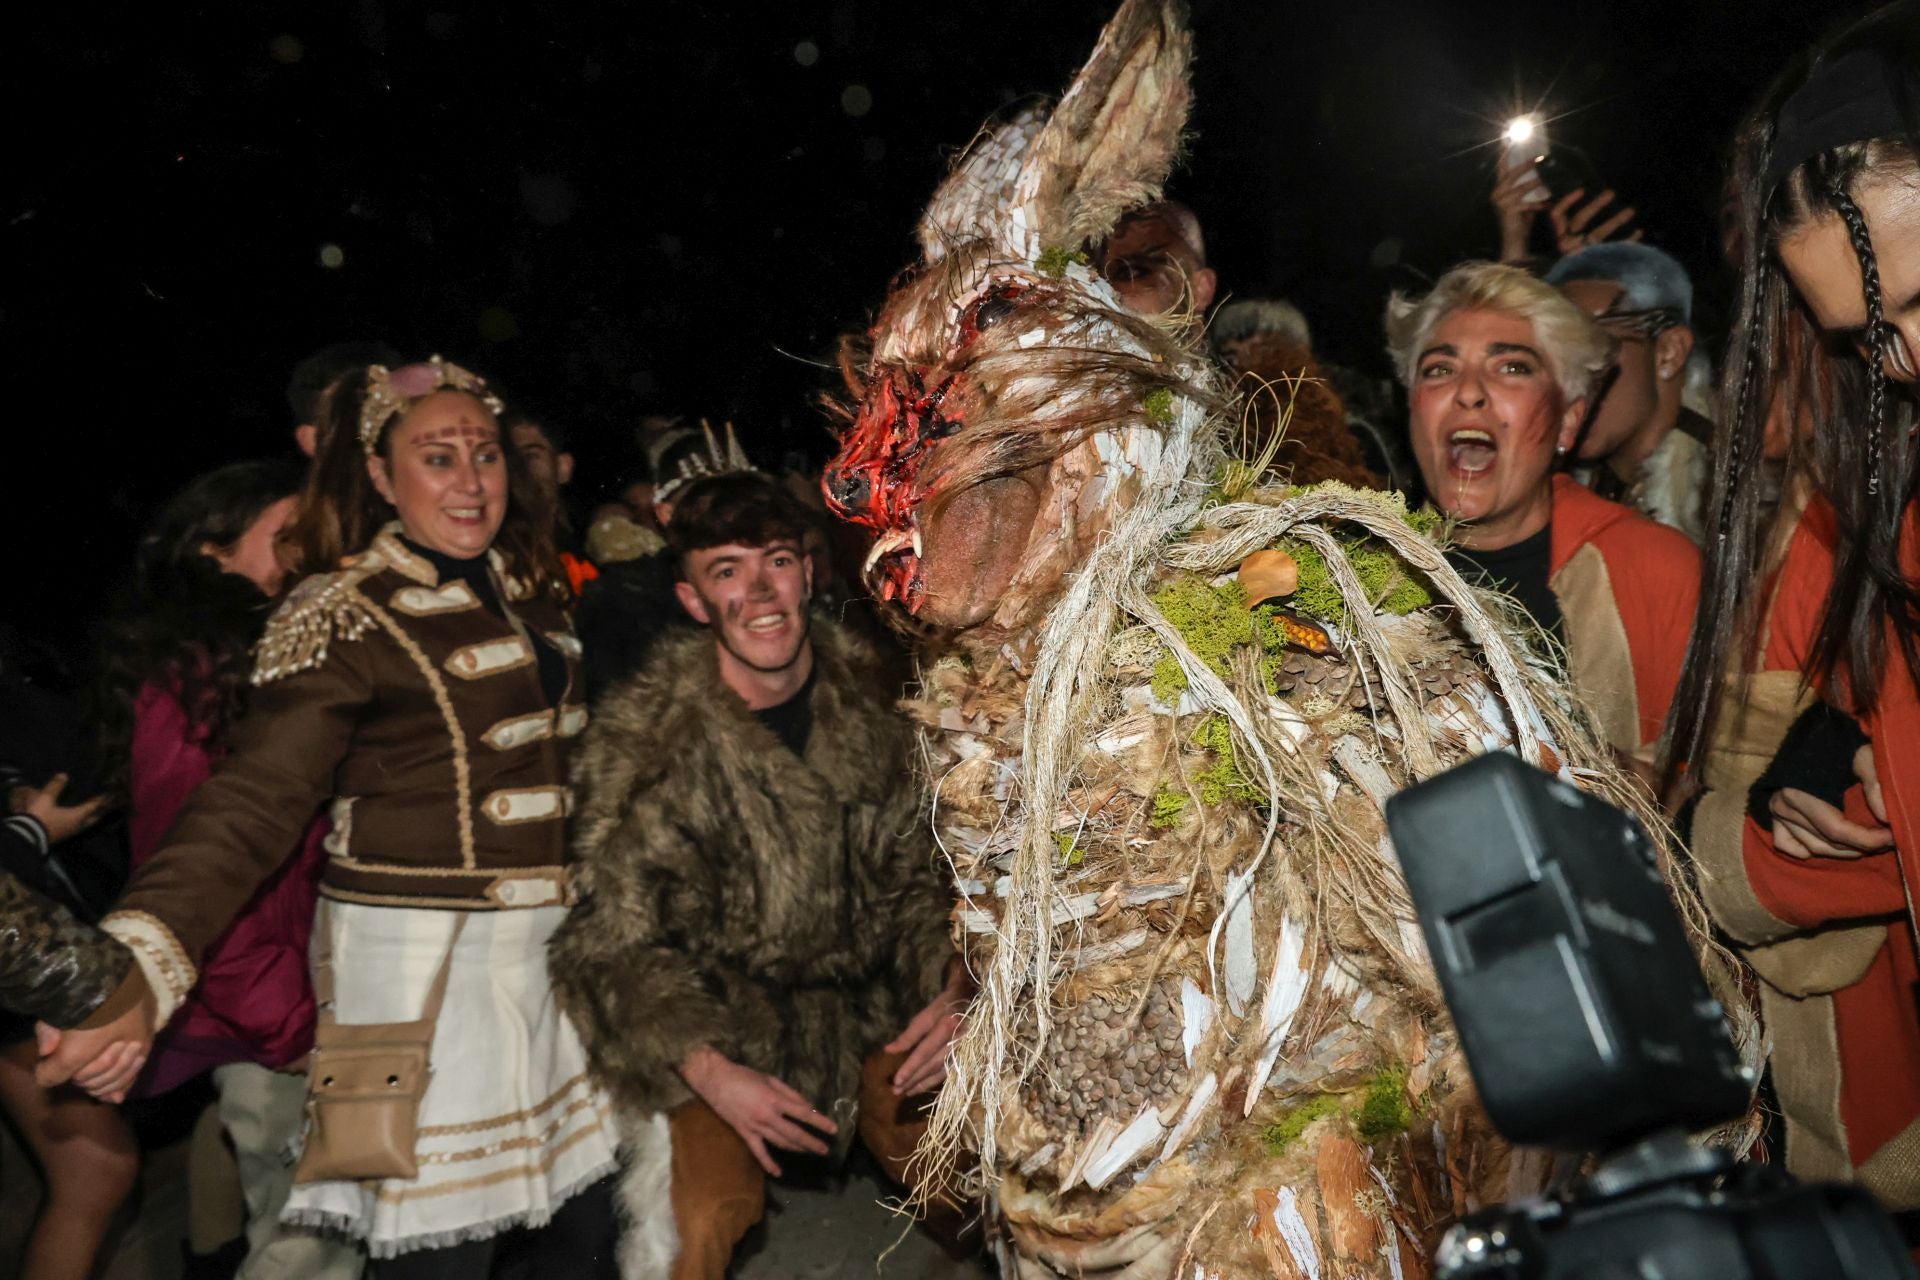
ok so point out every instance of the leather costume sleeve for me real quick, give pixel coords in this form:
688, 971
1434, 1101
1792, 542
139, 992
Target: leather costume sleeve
243, 822
52, 967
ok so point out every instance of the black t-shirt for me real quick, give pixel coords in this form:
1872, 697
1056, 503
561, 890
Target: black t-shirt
1519, 570
792, 720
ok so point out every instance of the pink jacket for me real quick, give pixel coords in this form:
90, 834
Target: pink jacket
255, 998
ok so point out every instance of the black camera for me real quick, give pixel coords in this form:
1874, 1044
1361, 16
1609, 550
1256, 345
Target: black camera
1589, 1028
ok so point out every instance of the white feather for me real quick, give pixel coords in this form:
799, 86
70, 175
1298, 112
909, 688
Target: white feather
1286, 988
1144, 1130
1101, 952
1197, 1104
1243, 973
1297, 1235
1095, 1146
1039, 1158
1196, 1013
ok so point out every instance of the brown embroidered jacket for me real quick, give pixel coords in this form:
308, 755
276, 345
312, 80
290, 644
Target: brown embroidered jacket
418, 715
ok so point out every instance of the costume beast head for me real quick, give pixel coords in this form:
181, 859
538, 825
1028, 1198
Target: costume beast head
1006, 400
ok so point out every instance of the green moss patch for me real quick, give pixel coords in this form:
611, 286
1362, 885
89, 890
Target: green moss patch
1159, 406
1168, 807
1378, 1110
1054, 262
1384, 1110
1222, 780
1212, 620
1286, 1131
1394, 585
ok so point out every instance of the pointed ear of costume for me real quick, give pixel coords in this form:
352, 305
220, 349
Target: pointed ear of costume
1114, 137
971, 205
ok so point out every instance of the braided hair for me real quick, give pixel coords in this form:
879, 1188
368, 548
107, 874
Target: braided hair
1779, 362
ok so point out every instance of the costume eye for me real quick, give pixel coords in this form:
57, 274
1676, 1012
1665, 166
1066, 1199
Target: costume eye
992, 309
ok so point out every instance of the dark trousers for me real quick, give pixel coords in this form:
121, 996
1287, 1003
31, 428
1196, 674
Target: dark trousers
578, 1242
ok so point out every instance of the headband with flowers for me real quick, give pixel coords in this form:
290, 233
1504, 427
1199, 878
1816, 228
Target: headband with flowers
391, 391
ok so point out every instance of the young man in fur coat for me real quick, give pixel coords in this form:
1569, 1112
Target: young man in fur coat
760, 950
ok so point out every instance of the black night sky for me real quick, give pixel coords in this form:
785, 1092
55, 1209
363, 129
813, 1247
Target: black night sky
616, 209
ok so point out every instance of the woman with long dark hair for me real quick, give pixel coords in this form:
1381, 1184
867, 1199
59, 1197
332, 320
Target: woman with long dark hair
175, 670
422, 681
1798, 707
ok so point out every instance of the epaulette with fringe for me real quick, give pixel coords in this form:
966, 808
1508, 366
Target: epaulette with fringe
323, 608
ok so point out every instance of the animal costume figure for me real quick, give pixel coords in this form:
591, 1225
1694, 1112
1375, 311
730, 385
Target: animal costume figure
1162, 707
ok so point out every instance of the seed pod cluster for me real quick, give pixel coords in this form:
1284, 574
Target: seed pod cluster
1302, 675
1099, 1063
1444, 673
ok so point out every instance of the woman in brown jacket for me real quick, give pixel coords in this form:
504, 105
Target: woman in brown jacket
423, 688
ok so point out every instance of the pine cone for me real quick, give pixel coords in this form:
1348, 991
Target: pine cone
1446, 671
1097, 1065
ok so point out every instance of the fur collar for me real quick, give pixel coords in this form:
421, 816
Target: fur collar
677, 708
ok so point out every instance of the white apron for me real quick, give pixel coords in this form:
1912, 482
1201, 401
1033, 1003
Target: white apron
510, 1125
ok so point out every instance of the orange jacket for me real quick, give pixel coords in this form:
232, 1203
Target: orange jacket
1627, 589
1874, 1021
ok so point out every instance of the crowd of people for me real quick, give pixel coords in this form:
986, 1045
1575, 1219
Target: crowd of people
465, 839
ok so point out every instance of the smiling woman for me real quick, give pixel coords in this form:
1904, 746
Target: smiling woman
444, 471
419, 686
1500, 371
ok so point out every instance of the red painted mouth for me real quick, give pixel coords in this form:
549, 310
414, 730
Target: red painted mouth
875, 479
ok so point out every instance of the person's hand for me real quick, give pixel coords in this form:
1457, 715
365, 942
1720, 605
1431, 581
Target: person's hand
101, 1060
1645, 771
61, 821
1517, 196
1863, 769
930, 1035
1573, 228
1807, 827
764, 1110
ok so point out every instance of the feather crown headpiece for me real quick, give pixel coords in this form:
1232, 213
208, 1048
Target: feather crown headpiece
721, 456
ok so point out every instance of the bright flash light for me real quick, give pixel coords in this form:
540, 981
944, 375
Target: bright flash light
1520, 129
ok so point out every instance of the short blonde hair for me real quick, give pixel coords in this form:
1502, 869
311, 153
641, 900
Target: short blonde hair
1576, 348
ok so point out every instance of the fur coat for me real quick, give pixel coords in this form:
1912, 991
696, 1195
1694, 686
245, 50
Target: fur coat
787, 912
